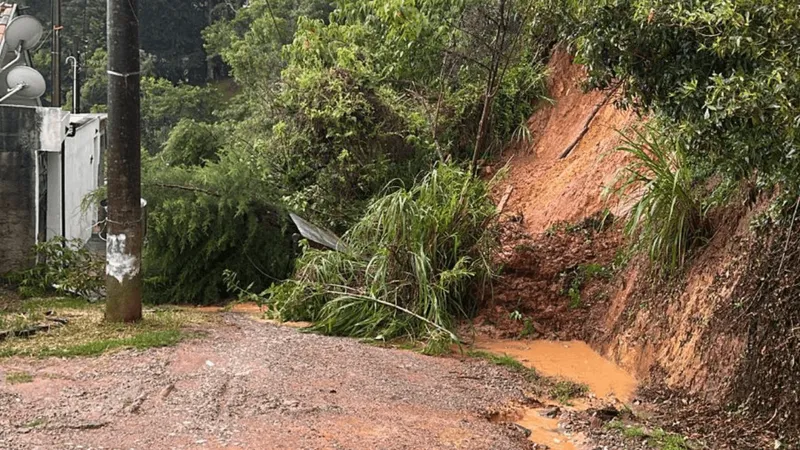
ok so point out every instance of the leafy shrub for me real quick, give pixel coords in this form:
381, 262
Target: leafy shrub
725, 74
65, 267
205, 220
192, 143
669, 217
409, 267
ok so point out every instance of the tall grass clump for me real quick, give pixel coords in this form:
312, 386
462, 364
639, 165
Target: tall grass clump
412, 263
668, 219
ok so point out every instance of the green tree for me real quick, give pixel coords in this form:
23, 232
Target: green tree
193, 143
726, 74
165, 104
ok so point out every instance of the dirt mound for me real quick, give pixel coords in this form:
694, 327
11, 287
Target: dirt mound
549, 240
551, 282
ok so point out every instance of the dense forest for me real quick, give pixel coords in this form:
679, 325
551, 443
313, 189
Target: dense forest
374, 118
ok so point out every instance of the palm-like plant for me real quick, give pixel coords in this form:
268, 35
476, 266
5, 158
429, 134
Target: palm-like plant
669, 217
412, 262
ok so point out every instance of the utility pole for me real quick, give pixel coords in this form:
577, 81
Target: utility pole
125, 227
55, 53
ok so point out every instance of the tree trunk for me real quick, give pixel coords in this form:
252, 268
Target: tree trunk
492, 84
483, 130
125, 232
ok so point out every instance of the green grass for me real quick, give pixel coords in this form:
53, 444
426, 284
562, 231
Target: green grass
499, 360
87, 334
655, 438
18, 377
565, 390
147, 339
35, 423
669, 218
505, 361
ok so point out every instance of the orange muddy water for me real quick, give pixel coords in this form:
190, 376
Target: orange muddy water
571, 360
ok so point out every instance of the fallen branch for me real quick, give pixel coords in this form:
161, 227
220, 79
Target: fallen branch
502, 205
588, 122
33, 329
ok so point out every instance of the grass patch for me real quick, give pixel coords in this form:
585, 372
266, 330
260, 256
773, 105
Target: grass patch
669, 219
35, 423
86, 334
565, 390
655, 438
505, 361
18, 377
147, 339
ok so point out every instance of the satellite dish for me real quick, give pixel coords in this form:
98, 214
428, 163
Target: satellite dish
25, 30
28, 81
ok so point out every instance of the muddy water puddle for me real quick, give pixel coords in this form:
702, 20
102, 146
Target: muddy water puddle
572, 360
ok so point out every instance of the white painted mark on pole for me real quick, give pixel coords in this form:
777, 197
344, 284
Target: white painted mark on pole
119, 263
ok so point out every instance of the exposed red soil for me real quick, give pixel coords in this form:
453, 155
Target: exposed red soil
537, 273
547, 189
255, 385
693, 339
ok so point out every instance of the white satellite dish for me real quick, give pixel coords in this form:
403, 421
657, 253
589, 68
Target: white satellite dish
24, 82
25, 30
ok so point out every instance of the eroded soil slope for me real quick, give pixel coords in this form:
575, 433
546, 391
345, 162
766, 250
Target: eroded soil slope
718, 342
548, 189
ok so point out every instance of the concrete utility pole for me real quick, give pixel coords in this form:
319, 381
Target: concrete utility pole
125, 227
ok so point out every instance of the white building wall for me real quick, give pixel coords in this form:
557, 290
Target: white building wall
53, 219
82, 160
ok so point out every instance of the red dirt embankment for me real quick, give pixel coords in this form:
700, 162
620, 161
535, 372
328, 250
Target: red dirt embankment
691, 335
548, 189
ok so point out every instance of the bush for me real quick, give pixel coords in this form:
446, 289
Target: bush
192, 143
410, 265
669, 217
65, 267
203, 220
725, 74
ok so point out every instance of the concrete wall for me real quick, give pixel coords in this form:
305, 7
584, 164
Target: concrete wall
20, 130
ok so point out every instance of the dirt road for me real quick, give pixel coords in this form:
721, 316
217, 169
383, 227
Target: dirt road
253, 385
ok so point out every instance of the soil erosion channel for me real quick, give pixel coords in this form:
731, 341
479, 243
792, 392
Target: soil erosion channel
574, 361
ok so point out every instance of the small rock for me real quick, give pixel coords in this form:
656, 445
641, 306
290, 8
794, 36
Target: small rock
551, 412
291, 403
166, 391
524, 430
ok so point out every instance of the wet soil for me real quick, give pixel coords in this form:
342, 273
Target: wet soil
538, 270
551, 423
249, 384
572, 360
